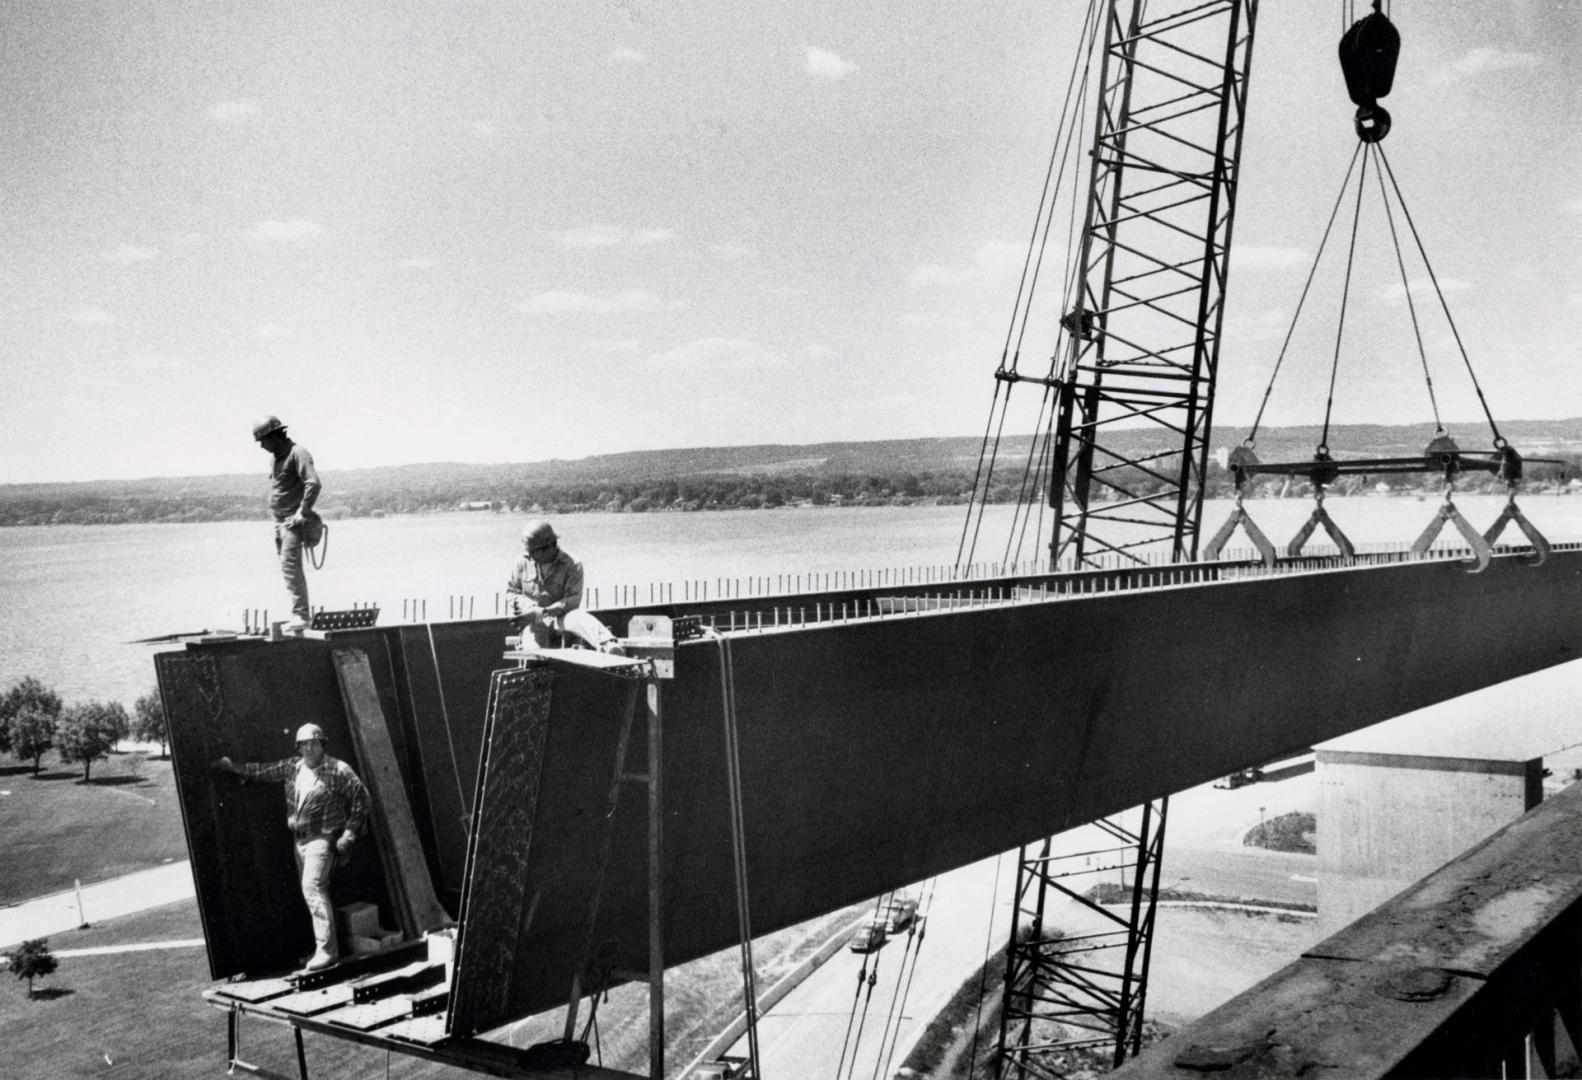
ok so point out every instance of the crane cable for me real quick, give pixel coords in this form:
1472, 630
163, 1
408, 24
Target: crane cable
1411, 306
1065, 134
889, 1016
1252, 436
983, 975
863, 976
1499, 440
1383, 159
733, 767
1345, 295
920, 924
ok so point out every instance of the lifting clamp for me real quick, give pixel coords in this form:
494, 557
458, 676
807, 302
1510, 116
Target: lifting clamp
1239, 458
1481, 551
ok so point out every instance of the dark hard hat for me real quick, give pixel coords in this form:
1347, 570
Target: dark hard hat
266, 427
539, 534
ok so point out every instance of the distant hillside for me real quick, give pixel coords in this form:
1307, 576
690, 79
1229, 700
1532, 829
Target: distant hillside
888, 472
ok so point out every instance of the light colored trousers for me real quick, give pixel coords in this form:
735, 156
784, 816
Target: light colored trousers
288, 546
315, 860
576, 622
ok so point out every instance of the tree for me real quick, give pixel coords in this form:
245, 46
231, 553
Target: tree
28, 692
90, 731
32, 732
148, 720
33, 960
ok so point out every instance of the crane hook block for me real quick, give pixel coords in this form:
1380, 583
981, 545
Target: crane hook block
1368, 51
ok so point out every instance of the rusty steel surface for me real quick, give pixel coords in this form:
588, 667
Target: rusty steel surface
873, 750
1446, 979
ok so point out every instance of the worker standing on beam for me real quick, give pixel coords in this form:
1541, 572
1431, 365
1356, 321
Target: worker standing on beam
293, 489
326, 805
546, 587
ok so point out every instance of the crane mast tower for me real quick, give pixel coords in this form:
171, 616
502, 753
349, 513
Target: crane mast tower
1132, 379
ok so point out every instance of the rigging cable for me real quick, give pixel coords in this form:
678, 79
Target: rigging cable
983, 976
450, 739
1406, 287
1499, 440
889, 1016
1252, 436
862, 977
733, 766
920, 923
1345, 294
1067, 126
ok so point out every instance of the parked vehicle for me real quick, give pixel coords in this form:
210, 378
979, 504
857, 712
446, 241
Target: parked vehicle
870, 938
1240, 779
901, 915
725, 1067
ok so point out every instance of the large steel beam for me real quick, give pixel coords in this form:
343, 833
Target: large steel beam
872, 750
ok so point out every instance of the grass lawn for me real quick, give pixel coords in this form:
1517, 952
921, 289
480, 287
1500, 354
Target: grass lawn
55, 829
142, 1014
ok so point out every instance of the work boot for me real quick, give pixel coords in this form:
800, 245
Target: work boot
319, 961
612, 646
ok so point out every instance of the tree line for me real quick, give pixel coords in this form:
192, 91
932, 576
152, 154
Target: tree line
435, 489
34, 720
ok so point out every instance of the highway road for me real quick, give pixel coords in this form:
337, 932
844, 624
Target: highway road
830, 1027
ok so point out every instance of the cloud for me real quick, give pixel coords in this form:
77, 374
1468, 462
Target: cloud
287, 232
623, 55
992, 259
562, 302
272, 332
152, 361
1573, 206
416, 264
92, 316
823, 64
1254, 257
1422, 286
599, 236
733, 252
928, 320
714, 354
483, 129
614, 345
234, 112
130, 253
1482, 61
1268, 325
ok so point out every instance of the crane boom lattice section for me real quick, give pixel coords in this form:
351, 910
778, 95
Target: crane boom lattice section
1140, 345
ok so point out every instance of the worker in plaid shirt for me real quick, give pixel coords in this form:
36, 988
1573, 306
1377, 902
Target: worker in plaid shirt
326, 805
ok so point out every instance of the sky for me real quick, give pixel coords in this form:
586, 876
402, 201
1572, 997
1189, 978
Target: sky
514, 231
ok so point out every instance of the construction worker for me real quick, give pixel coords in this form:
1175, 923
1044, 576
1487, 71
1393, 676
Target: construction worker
293, 489
326, 805
546, 587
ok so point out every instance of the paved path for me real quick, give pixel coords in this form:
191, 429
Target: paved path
55, 914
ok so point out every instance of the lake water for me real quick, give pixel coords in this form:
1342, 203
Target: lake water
71, 597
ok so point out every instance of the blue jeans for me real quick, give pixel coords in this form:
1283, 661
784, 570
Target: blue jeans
288, 546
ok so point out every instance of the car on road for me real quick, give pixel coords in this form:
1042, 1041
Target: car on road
1240, 779
726, 1067
870, 938
901, 915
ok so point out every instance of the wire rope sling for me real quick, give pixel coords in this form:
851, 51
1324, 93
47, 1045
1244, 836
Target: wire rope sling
1368, 52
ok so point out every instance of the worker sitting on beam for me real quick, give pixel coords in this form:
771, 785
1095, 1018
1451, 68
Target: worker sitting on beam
546, 587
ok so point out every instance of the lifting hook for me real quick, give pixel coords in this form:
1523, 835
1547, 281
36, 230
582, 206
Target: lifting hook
1481, 551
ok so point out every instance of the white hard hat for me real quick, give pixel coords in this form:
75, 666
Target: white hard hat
309, 731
